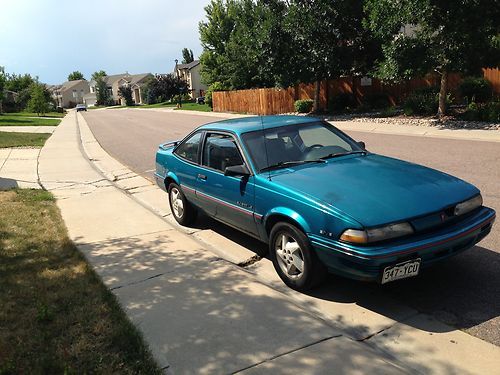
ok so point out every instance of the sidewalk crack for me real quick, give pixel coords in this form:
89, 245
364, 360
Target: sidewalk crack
141, 281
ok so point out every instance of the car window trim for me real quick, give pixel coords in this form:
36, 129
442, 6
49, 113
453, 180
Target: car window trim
187, 137
238, 146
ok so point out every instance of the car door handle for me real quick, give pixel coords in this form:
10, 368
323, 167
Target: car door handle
202, 177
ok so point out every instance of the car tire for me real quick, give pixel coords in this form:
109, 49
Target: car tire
289, 248
182, 211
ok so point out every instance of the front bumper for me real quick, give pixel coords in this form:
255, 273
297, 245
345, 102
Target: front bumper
367, 262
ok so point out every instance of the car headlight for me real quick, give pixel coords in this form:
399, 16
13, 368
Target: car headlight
468, 206
376, 234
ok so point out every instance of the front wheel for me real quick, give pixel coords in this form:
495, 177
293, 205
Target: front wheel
294, 259
183, 212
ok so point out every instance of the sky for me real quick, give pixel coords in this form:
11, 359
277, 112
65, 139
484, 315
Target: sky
50, 38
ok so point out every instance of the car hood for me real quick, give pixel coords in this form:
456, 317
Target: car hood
374, 189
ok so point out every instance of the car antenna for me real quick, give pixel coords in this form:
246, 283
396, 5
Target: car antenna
265, 145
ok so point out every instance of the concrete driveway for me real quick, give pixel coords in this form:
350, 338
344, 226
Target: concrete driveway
463, 292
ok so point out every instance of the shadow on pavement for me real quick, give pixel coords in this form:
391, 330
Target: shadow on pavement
7, 183
462, 291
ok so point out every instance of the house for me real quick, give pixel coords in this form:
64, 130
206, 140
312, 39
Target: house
191, 74
70, 93
114, 82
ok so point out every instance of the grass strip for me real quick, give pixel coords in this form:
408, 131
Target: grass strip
14, 139
9, 120
56, 316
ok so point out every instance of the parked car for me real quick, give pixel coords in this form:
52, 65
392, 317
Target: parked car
320, 200
81, 107
200, 100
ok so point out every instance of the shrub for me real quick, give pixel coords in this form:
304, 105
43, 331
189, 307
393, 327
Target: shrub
422, 103
477, 90
389, 112
483, 112
303, 106
376, 101
216, 86
341, 102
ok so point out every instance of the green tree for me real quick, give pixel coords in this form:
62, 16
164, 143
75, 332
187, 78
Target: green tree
75, 76
187, 56
98, 74
125, 92
103, 96
164, 87
2, 87
421, 36
38, 102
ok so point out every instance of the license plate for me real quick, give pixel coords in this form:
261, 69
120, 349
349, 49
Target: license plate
401, 271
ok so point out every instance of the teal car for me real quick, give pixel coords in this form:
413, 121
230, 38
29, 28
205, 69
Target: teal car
320, 200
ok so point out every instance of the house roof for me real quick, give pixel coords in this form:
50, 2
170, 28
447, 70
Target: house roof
131, 78
188, 66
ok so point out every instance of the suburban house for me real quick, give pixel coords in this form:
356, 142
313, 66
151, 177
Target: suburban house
114, 82
70, 93
191, 74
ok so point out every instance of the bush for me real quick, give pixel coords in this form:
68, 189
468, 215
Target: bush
489, 112
341, 102
216, 86
376, 101
477, 90
389, 112
421, 103
303, 106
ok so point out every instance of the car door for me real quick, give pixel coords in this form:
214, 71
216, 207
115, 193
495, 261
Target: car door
233, 196
188, 167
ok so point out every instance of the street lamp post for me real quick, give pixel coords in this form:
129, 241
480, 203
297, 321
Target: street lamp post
179, 103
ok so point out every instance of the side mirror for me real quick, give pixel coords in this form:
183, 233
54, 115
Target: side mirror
237, 171
362, 145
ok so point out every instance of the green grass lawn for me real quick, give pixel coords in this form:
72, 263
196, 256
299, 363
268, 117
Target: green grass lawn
13, 139
18, 120
32, 114
56, 316
196, 107
157, 105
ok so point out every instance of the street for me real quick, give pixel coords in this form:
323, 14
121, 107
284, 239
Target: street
463, 292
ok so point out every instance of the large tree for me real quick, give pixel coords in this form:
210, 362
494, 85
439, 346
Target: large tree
75, 76
103, 95
187, 56
2, 87
38, 102
164, 87
98, 74
421, 36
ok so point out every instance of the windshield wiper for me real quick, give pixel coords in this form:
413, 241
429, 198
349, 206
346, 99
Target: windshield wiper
342, 154
283, 164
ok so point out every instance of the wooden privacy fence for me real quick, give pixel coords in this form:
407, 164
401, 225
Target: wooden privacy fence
274, 101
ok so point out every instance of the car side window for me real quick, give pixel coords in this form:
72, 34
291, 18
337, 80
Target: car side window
189, 148
220, 152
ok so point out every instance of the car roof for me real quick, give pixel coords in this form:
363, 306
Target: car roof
247, 124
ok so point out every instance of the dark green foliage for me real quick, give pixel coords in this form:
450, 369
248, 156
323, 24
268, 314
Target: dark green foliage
103, 95
489, 112
2, 87
98, 74
475, 89
187, 56
376, 101
39, 101
303, 106
216, 86
125, 92
420, 103
75, 76
341, 102
434, 35
164, 87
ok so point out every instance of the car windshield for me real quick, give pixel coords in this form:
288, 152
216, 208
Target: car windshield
297, 144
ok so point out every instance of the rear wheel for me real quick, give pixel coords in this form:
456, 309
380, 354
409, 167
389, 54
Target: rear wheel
183, 212
294, 259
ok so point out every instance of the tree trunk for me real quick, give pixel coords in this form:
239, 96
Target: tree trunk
317, 89
442, 95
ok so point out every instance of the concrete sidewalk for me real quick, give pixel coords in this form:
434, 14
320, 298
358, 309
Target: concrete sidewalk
18, 168
200, 313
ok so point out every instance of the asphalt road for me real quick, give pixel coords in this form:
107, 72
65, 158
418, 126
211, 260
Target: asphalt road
463, 292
